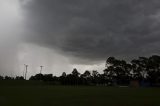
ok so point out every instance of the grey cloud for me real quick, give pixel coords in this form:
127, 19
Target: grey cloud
95, 29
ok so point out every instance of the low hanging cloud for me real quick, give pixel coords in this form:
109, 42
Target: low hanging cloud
95, 29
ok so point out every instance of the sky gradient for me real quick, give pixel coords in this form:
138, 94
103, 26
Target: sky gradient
62, 35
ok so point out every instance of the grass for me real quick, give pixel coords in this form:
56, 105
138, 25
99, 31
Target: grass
43, 95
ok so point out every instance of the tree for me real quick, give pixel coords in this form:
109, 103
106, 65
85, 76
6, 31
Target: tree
37, 77
63, 78
140, 68
117, 71
8, 78
110, 61
85, 78
109, 75
1, 78
95, 73
19, 78
47, 77
75, 72
73, 78
95, 77
154, 69
86, 74
64, 74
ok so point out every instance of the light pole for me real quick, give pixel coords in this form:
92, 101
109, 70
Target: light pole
41, 69
26, 67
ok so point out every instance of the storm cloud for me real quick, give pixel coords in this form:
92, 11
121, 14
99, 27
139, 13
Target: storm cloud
66, 34
95, 29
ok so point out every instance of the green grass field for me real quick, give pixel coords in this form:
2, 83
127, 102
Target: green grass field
43, 95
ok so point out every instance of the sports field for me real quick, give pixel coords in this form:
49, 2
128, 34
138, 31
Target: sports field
44, 95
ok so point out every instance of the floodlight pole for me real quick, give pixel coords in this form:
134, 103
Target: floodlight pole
26, 67
41, 69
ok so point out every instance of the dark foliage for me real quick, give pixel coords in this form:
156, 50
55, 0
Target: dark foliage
1, 78
144, 70
19, 78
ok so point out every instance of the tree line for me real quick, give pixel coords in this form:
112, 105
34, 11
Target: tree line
145, 70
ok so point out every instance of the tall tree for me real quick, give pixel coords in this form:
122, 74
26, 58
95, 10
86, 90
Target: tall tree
75, 72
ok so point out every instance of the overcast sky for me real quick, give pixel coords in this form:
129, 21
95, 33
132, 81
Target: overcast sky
66, 34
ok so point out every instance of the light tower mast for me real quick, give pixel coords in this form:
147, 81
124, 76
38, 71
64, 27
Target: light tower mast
41, 69
26, 67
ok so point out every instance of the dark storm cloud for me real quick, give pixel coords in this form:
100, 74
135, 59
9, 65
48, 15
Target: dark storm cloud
95, 29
